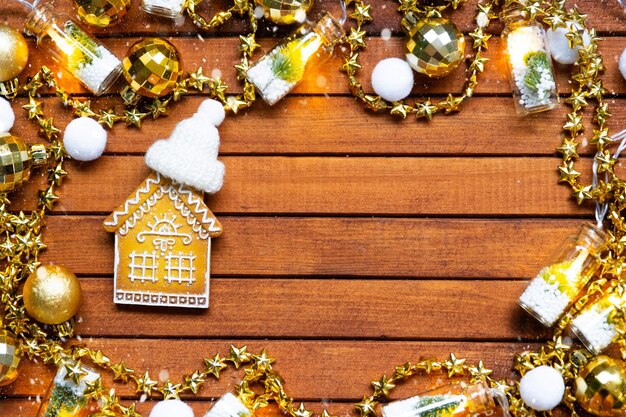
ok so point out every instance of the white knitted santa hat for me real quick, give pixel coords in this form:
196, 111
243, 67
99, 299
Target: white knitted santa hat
189, 156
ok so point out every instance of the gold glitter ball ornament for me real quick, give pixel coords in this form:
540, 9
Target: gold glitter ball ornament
152, 67
52, 294
601, 387
285, 12
435, 45
13, 53
101, 13
16, 161
9, 357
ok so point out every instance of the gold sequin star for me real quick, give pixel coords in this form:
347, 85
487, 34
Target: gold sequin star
244, 393
145, 384
94, 389
361, 13
47, 127
451, 104
198, 80
34, 108
158, 108
121, 372
382, 387
568, 173
425, 109
238, 355
248, 44
356, 39
401, 109
302, 412
367, 407
454, 365
194, 382
56, 174
403, 371
74, 372
170, 391
568, 149
262, 361
582, 193
213, 366
134, 117
351, 64
47, 198
480, 38
108, 117
479, 372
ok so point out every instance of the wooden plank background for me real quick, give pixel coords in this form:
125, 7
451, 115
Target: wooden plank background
353, 241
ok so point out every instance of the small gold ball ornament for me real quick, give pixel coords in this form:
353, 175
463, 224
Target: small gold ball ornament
601, 387
52, 294
9, 357
13, 53
285, 12
16, 161
435, 45
152, 67
101, 13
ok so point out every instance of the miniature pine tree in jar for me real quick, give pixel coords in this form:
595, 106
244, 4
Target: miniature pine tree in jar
530, 63
66, 395
557, 285
282, 68
69, 44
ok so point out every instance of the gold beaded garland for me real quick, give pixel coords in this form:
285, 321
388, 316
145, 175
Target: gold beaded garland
152, 67
52, 294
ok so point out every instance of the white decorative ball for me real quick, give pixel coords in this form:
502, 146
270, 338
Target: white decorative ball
84, 139
171, 408
622, 64
7, 117
542, 388
392, 79
212, 111
559, 45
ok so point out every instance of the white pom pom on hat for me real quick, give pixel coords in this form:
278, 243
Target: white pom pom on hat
171, 408
84, 139
542, 388
212, 111
7, 117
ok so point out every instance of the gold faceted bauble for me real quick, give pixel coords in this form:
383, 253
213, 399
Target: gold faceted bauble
52, 294
435, 45
285, 12
16, 161
13, 53
9, 357
101, 13
601, 387
152, 67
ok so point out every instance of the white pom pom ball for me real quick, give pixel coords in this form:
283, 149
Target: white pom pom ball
84, 139
542, 388
559, 45
392, 79
7, 117
171, 408
212, 111
622, 64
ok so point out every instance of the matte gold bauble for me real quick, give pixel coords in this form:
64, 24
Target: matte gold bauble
13, 53
435, 45
16, 161
9, 357
52, 294
601, 387
152, 67
101, 13
285, 12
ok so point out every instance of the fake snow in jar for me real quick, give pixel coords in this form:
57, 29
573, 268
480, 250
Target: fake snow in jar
557, 286
530, 65
163, 8
282, 68
594, 326
74, 48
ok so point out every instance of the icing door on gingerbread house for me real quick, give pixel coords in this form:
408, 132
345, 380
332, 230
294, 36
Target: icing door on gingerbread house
163, 246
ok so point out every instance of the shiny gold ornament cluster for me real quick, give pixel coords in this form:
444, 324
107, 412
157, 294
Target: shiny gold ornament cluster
101, 13
285, 12
435, 45
424, 108
152, 67
10, 357
600, 387
52, 294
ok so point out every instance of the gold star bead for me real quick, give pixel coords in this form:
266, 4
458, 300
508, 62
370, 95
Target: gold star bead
361, 13
145, 384
351, 64
248, 44
130, 412
568, 173
302, 412
367, 407
574, 123
194, 381
454, 365
47, 127
582, 193
158, 108
244, 393
401, 109
74, 372
262, 361
198, 80
108, 117
479, 372
134, 117
382, 387
425, 109
34, 107
47, 198
480, 38
356, 38
238, 355
170, 391
568, 149
325, 413
94, 389
403, 371
121, 372
451, 104
213, 366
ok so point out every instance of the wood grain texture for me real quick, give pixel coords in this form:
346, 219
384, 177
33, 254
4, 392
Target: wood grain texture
353, 241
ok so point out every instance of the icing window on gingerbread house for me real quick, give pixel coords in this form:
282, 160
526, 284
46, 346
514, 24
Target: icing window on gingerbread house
180, 268
143, 267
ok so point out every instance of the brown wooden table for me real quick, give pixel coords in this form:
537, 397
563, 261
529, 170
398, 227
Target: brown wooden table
353, 242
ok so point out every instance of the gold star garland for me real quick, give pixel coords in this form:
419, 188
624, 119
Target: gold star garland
425, 108
22, 240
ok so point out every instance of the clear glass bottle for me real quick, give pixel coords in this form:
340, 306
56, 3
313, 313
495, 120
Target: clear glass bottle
595, 325
228, 406
165, 8
530, 63
458, 400
66, 398
282, 68
74, 48
557, 286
